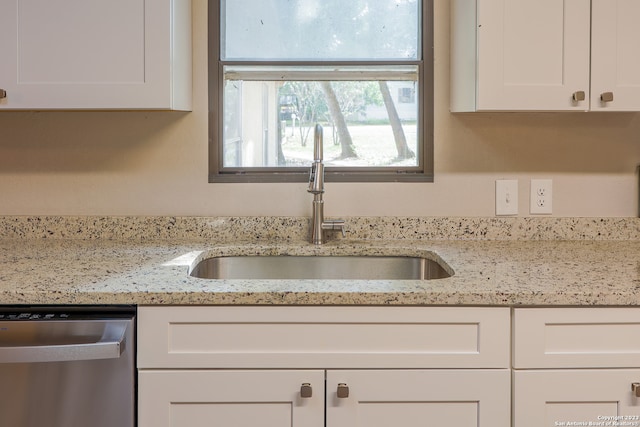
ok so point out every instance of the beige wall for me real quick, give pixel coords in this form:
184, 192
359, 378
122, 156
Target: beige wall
155, 163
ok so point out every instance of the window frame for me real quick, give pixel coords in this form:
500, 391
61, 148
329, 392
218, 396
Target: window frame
422, 173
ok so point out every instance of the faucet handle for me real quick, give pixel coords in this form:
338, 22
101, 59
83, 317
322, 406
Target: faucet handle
312, 177
335, 224
316, 178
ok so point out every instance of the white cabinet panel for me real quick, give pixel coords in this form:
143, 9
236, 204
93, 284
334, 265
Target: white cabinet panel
525, 55
532, 55
101, 54
577, 338
464, 398
102, 42
185, 355
324, 337
565, 338
558, 398
545, 55
229, 398
614, 49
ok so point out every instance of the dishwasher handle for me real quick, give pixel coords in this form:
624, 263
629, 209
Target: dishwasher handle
109, 346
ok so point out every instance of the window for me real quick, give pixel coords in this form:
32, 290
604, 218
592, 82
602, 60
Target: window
363, 69
407, 95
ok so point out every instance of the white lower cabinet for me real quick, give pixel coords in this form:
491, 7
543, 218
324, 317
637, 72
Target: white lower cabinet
576, 367
577, 397
323, 366
374, 399
230, 398
464, 398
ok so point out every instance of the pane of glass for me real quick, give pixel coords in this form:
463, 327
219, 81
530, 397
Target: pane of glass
320, 29
367, 123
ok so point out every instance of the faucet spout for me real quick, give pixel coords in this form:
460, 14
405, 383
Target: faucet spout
317, 143
316, 187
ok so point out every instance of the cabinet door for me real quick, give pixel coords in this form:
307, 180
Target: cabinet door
101, 54
577, 397
230, 398
463, 398
615, 60
533, 55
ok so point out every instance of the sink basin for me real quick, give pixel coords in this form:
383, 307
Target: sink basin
319, 267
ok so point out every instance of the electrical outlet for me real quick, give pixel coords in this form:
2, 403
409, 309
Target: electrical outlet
507, 197
541, 197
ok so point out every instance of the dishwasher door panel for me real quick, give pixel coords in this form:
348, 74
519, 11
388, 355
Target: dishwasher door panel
99, 392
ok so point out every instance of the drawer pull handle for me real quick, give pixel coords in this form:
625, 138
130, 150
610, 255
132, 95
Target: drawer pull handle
343, 391
3, 93
606, 97
635, 387
306, 390
579, 96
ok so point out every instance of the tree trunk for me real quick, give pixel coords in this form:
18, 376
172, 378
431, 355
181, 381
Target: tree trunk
348, 150
398, 133
282, 161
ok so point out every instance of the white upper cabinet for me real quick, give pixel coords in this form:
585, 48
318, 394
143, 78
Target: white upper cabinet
99, 54
544, 55
615, 65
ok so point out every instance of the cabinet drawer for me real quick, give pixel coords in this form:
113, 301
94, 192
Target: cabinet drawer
576, 338
323, 337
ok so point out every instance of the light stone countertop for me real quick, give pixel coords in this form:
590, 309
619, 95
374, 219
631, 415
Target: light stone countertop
154, 271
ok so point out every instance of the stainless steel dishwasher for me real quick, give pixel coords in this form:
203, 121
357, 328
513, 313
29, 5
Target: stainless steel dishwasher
67, 366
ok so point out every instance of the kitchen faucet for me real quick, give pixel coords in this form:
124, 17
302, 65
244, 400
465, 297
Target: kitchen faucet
316, 187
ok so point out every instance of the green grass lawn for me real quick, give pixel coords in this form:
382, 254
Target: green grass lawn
374, 145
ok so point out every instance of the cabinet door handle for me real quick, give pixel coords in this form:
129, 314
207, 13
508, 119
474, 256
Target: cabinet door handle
635, 387
579, 96
606, 97
3, 93
343, 391
306, 390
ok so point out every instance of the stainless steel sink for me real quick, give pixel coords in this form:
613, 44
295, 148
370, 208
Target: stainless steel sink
319, 267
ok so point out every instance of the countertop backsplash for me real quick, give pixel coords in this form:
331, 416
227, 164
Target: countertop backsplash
224, 229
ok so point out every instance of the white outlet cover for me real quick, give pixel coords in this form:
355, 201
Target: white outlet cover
507, 197
541, 202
